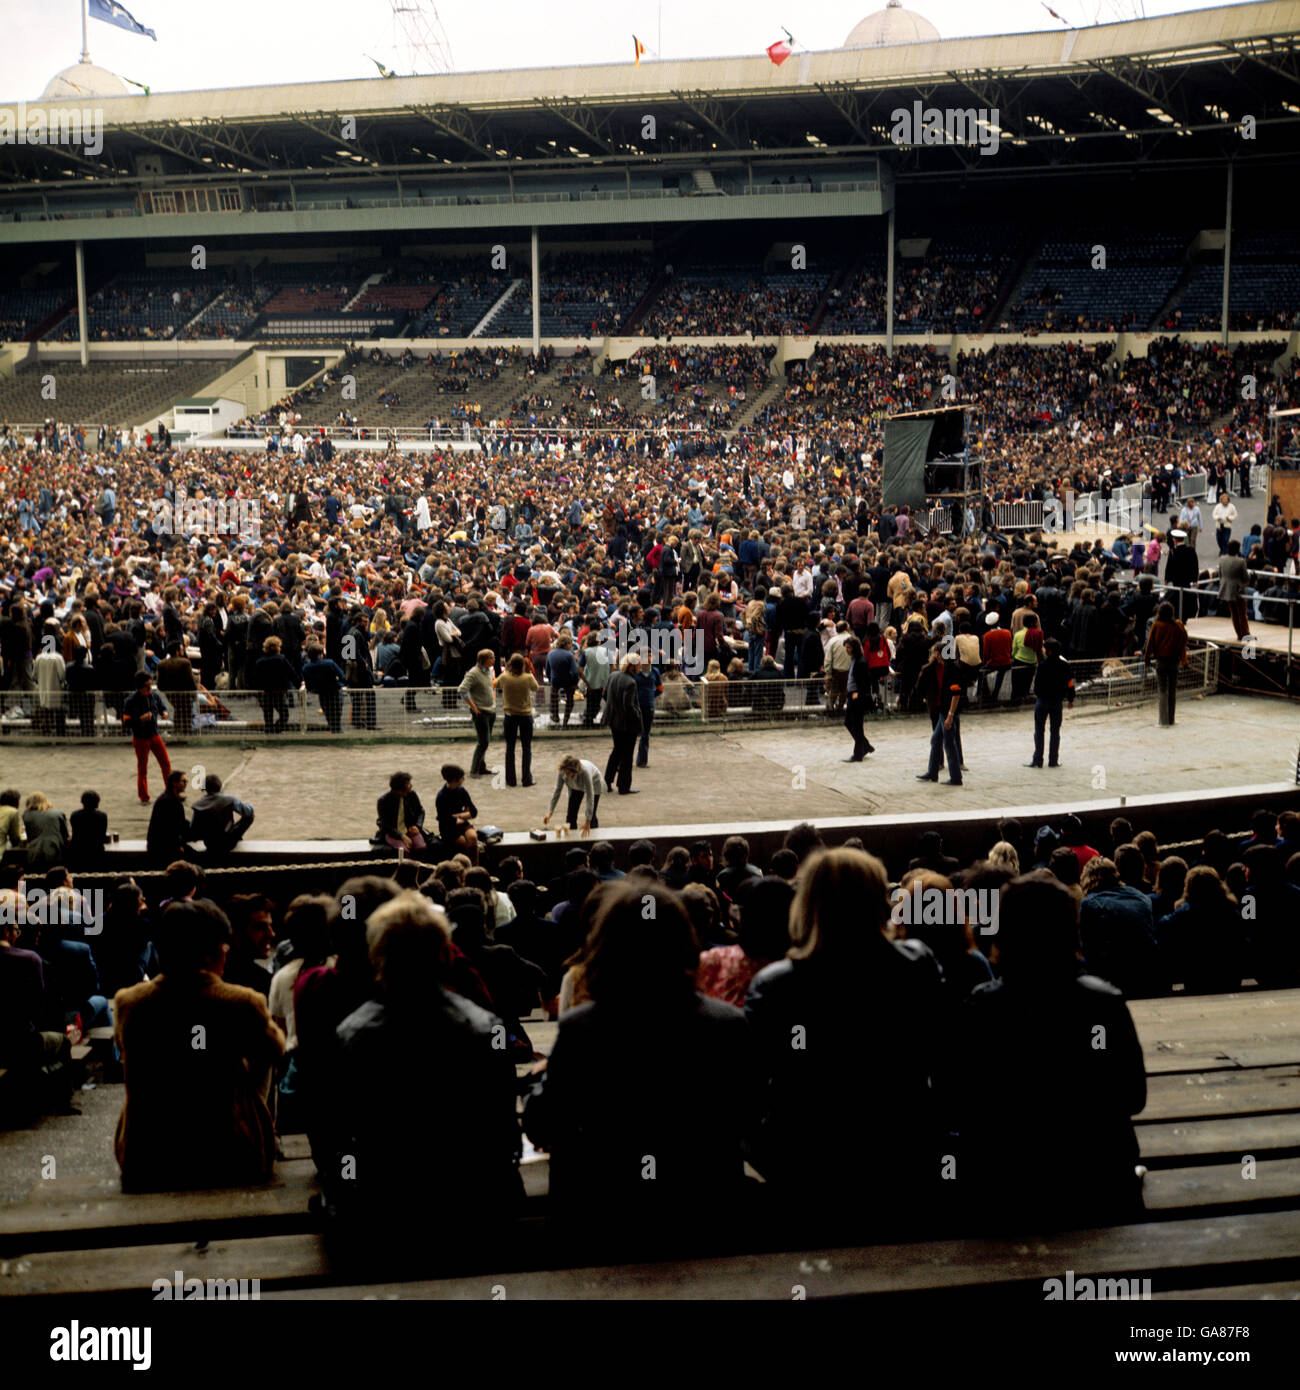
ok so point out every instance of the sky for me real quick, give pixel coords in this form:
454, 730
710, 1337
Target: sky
237, 43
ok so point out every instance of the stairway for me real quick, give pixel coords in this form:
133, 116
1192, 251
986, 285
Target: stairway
479, 329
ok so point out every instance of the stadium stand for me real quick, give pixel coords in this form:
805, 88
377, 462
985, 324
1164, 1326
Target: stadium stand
103, 393
141, 305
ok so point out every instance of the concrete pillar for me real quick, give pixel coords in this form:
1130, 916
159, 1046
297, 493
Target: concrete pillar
889, 286
1227, 258
82, 324
537, 300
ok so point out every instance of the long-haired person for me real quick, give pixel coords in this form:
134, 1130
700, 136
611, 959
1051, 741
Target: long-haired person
858, 700
830, 1142
637, 1152
1046, 1134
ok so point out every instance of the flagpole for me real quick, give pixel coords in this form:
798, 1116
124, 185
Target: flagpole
85, 43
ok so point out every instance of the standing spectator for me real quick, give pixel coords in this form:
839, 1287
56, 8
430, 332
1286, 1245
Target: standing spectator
176, 678
562, 672
1053, 688
141, 714
1166, 646
326, 679
594, 675
518, 686
623, 705
478, 692
858, 698
1225, 514
649, 686
1234, 581
274, 677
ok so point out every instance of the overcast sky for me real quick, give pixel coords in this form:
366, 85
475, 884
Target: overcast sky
235, 43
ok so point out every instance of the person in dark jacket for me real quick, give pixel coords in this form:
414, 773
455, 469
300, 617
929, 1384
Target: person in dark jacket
325, 679
514, 984
1053, 688
274, 677
1046, 1134
857, 700
463, 1139
220, 820
261, 626
682, 1123
846, 991
1116, 933
1202, 940
89, 834
176, 681
169, 824
401, 816
623, 715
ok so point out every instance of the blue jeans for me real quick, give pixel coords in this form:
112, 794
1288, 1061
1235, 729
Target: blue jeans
754, 656
1045, 710
793, 652
946, 741
643, 747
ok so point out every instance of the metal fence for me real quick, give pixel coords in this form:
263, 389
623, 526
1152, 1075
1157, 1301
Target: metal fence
433, 712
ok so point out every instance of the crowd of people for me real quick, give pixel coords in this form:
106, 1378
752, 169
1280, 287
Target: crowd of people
323, 1010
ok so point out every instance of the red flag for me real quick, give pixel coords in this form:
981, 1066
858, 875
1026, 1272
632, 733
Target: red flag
779, 51
639, 49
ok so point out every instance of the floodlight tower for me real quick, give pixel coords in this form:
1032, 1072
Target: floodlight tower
420, 39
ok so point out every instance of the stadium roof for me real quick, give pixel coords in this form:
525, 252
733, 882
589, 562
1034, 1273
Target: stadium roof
1167, 90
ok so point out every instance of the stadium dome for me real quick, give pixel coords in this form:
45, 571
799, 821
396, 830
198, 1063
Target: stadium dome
82, 80
891, 25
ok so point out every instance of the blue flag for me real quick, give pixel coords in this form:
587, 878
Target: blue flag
113, 13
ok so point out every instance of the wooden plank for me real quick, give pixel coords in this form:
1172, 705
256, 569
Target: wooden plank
1194, 1095
1211, 1031
1171, 1254
1219, 1185
1169, 1144
1187, 1055
1287, 1291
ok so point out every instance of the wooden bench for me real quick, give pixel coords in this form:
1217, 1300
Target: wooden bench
1208, 1224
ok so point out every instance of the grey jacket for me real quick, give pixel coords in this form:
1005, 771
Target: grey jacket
1233, 578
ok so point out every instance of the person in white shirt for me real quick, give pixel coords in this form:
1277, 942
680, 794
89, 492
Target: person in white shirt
802, 583
1189, 519
1225, 513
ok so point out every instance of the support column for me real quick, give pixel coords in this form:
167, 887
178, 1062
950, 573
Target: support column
1227, 258
889, 286
537, 300
82, 326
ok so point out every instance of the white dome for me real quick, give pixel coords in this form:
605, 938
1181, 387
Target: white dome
84, 80
891, 25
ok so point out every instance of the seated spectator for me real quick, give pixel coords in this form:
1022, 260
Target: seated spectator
676, 872
461, 1141
1201, 940
533, 936
1064, 865
513, 984
26, 1044
72, 988
931, 856
702, 907
220, 820
89, 835
1116, 932
124, 951
1270, 909
1004, 855
952, 938
686, 1114
47, 832
194, 1116
324, 995
401, 816
252, 923
737, 874
1169, 887
307, 939
1046, 1136
11, 821
849, 992
169, 822
726, 971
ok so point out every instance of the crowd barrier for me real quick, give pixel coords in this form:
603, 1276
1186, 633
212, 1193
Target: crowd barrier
696, 706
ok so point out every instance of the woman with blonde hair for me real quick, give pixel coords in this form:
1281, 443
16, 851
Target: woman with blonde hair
48, 832
715, 691
845, 991
1003, 855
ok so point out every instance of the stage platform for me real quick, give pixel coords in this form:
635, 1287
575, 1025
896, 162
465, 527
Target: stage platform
1268, 637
